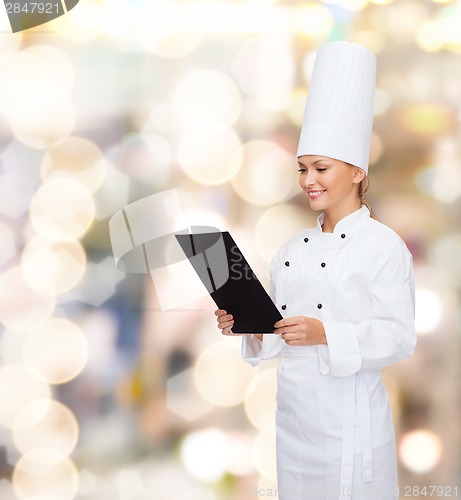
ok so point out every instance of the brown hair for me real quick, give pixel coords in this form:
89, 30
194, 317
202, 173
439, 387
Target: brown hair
363, 186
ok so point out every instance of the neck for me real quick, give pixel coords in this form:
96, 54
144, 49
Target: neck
334, 214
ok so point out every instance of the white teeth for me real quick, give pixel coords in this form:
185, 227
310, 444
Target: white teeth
315, 193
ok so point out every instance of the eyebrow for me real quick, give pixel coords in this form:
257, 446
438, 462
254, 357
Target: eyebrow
315, 162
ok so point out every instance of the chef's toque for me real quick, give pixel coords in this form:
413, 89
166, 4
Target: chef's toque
338, 117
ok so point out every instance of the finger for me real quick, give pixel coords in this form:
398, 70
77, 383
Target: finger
290, 337
279, 331
227, 317
289, 328
286, 330
227, 331
220, 312
226, 324
287, 322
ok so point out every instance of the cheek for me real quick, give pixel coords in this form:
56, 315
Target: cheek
337, 182
328, 181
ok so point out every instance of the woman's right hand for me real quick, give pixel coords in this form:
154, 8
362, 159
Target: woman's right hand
225, 321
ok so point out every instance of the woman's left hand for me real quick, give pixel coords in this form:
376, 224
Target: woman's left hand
301, 330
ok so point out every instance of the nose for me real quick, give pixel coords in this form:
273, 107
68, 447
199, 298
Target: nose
310, 178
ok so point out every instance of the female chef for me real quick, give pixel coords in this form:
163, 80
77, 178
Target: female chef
345, 290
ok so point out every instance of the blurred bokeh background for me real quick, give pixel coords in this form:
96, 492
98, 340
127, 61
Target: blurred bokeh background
104, 394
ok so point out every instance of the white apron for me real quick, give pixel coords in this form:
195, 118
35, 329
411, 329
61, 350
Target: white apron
335, 436
332, 433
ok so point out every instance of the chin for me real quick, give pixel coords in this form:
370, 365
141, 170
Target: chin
316, 205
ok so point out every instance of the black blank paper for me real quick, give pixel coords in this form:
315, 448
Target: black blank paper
230, 281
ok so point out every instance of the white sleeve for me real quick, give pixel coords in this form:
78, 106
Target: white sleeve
253, 349
389, 335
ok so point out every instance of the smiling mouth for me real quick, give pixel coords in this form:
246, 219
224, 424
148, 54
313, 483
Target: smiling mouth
315, 194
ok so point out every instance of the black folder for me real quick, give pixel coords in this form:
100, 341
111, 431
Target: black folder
230, 281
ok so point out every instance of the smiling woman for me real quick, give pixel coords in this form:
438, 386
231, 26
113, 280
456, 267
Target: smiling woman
334, 186
346, 293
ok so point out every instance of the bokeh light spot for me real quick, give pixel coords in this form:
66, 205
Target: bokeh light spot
45, 424
420, 450
212, 375
427, 118
166, 29
289, 220
19, 386
295, 110
240, 459
78, 158
265, 69
264, 454
53, 267
314, 20
207, 96
57, 349
81, 24
62, 209
210, 154
46, 125
21, 306
429, 310
267, 173
355, 5
205, 454
45, 473
260, 398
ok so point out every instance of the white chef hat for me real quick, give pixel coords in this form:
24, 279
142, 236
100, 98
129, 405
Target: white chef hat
338, 117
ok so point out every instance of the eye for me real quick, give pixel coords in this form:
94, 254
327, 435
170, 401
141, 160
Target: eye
301, 170
321, 170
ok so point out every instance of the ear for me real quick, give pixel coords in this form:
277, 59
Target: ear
359, 175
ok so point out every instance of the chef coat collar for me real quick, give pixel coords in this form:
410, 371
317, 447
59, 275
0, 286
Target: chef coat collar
346, 223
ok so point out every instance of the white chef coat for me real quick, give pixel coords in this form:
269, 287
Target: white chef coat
335, 437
